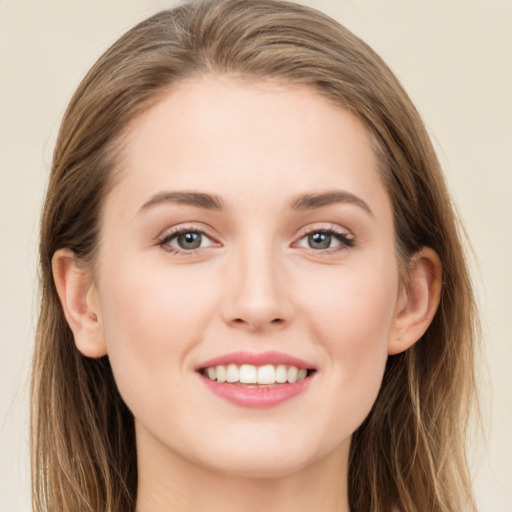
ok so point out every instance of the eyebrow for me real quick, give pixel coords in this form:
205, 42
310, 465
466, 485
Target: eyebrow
197, 199
214, 202
320, 200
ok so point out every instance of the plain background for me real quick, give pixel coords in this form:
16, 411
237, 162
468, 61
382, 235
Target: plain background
453, 56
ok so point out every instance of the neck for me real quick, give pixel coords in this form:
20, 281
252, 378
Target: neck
169, 483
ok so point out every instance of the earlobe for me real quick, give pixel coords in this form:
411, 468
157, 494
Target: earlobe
418, 301
79, 301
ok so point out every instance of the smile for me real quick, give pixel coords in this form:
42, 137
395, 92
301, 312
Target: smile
260, 375
257, 380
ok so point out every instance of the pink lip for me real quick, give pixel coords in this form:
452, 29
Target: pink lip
260, 359
256, 396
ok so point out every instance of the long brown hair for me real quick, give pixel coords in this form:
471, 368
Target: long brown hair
409, 452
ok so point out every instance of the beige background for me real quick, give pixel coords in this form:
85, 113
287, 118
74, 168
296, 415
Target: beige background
455, 59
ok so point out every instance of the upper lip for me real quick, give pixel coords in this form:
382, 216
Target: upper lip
257, 359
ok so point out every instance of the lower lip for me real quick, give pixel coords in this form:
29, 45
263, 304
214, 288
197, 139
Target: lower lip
256, 397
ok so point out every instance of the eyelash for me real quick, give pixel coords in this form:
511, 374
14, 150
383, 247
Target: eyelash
163, 242
345, 239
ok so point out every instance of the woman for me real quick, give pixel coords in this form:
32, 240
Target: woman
254, 293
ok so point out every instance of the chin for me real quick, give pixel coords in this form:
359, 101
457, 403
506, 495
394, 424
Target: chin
260, 466
273, 458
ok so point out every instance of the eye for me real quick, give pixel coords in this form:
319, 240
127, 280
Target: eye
185, 241
324, 239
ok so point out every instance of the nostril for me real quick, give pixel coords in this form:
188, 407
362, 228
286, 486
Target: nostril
241, 321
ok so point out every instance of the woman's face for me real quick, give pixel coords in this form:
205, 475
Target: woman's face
249, 237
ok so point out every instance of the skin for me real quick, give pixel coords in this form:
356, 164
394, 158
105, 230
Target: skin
255, 284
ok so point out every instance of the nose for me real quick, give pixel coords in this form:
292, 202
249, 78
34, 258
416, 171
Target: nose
257, 294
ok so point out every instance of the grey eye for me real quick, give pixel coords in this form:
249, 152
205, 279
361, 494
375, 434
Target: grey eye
190, 240
186, 241
323, 239
320, 240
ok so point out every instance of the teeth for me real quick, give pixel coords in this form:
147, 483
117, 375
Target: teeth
232, 373
291, 374
250, 374
221, 373
266, 374
302, 374
281, 373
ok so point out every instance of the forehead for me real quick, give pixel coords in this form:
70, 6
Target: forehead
235, 137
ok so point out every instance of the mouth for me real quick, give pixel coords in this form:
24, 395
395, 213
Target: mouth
252, 375
257, 380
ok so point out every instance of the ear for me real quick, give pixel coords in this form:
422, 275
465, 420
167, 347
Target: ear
418, 300
79, 301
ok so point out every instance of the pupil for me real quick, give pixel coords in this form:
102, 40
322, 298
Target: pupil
189, 240
319, 240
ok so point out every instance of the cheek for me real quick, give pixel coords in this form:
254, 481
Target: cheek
152, 318
152, 301
352, 317
352, 308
